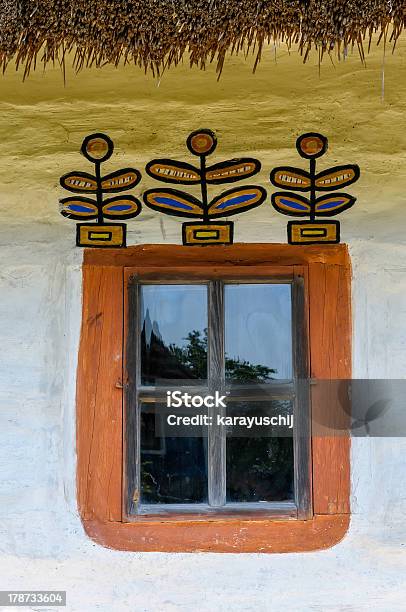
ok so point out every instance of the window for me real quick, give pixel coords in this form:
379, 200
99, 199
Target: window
254, 320
243, 339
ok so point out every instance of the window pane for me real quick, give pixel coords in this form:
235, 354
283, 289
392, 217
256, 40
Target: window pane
258, 332
173, 333
173, 469
260, 466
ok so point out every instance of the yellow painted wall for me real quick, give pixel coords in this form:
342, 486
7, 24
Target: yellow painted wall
43, 121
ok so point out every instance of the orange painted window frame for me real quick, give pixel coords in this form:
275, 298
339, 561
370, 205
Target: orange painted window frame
100, 401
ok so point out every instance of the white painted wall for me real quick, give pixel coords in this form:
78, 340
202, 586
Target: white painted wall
42, 542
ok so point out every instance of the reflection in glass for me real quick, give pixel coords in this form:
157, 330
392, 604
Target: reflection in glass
258, 332
173, 469
173, 332
260, 467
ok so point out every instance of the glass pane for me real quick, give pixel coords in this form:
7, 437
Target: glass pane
173, 469
173, 333
260, 460
258, 332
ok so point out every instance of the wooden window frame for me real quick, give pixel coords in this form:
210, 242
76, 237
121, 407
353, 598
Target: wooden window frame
101, 399
294, 390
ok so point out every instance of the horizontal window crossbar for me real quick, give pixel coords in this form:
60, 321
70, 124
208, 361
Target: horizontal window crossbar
264, 392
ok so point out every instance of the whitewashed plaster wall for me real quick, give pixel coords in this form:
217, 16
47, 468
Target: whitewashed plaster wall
42, 542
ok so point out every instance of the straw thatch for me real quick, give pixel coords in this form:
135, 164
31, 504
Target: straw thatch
155, 34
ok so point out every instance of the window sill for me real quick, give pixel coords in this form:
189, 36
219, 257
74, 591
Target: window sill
203, 512
234, 535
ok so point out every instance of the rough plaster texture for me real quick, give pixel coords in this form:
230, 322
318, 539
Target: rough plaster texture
42, 123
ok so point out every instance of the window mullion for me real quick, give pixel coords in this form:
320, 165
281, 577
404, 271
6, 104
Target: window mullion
216, 382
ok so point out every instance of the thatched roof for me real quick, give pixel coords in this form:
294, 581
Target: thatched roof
155, 34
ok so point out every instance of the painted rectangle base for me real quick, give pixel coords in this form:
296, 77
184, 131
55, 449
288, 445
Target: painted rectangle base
100, 235
313, 232
208, 233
